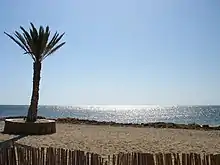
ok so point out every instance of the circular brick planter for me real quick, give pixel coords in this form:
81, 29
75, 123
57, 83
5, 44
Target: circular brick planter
20, 127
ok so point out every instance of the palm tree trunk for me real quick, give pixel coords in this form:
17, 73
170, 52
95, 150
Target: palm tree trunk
32, 111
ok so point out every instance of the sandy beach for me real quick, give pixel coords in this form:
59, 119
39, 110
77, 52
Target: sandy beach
107, 140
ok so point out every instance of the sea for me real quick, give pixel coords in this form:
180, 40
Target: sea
206, 114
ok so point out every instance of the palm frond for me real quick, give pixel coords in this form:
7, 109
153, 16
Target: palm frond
20, 41
17, 42
34, 32
28, 40
45, 39
53, 50
49, 45
55, 39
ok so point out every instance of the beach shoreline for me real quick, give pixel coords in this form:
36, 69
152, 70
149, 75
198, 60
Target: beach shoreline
69, 120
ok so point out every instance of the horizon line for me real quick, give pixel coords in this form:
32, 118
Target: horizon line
78, 105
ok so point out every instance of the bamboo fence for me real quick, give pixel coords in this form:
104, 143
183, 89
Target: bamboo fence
26, 155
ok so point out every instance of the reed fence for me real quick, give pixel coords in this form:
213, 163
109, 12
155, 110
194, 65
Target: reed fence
26, 155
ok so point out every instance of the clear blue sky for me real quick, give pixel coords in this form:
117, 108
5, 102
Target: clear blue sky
117, 52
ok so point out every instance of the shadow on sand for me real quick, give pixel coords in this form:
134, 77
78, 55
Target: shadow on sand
10, 142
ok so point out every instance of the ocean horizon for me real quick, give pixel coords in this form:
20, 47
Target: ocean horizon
182, 114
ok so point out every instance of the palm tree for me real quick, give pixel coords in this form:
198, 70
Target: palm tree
37, 45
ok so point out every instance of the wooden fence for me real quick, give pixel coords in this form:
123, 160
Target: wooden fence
25, 155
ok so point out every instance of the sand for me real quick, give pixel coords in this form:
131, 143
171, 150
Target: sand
107, 140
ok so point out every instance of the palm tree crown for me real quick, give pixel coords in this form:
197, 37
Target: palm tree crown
36, 43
